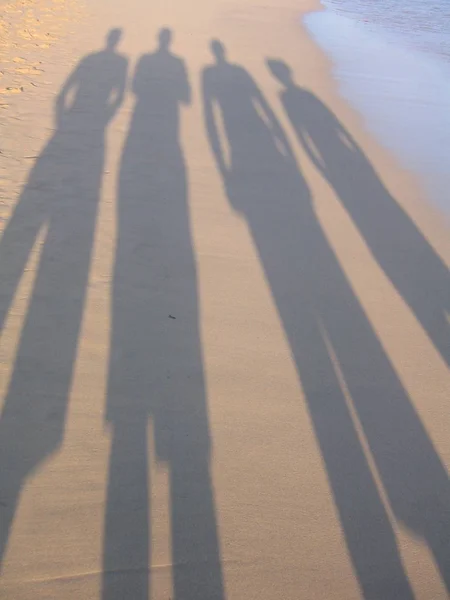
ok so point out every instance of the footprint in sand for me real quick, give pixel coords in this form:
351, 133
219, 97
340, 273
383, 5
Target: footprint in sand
29, 71
11, 90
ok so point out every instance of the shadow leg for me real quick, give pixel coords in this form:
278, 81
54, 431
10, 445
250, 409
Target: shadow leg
126, 542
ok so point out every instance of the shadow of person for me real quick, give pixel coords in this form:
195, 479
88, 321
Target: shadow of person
407, 258
56, 210
341, 364
156, 367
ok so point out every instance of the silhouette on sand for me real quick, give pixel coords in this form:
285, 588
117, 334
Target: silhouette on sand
156, 367
59, 204
407, 258
339, 358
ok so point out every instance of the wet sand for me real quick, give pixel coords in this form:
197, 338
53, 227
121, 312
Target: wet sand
225, 323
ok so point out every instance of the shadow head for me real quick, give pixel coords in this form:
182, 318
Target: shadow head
113, 38
281, 71
218, 50
165, 37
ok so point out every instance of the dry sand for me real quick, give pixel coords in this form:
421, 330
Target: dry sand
225, 320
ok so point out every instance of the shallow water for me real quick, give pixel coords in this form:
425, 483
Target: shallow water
424, 25
392, 59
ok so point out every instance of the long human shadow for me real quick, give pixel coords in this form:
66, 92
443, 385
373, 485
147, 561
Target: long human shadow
58, 205
405, 255
349, 383
156, 367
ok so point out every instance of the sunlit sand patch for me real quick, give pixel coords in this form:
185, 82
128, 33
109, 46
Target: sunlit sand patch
31, 26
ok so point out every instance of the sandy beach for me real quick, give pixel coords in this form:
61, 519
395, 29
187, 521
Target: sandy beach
225, 317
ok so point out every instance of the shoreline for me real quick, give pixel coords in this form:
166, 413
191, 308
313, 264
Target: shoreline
389, 85
415, 193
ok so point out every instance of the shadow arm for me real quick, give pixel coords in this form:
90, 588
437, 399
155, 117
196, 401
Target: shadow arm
311, 150
70, 84
346, 136
274, 124
138, 77
118, 93
211, 126
185, 88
